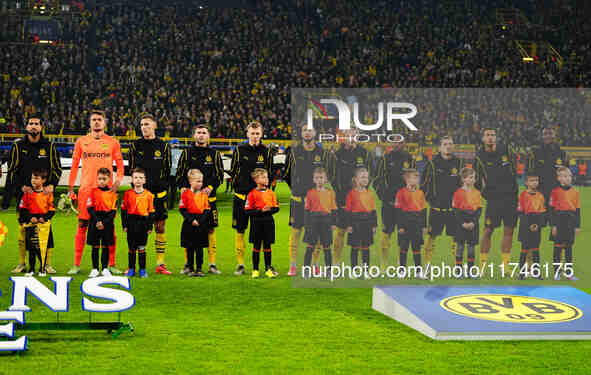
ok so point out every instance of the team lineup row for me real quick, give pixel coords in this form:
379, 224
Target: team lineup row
348, 170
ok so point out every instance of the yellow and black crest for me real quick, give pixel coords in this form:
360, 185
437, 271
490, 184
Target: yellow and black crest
42, 152
405, 165
317, 158
157, 153
559, 161
208, 158
260, 158
360, 160
454, 171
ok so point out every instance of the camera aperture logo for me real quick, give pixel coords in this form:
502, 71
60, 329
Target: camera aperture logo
384, 110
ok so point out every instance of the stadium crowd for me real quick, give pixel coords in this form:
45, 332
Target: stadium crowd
227, 67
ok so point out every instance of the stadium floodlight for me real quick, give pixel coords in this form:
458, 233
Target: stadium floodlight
528, 59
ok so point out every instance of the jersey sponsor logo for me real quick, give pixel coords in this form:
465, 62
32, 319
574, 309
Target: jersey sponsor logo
98, 155
104, 146
511, 308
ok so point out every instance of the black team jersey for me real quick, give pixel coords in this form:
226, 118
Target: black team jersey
441, 179
344, 164
153, 156
207, 160
544, 160
245, 159
389, 174
300, 166
498, 171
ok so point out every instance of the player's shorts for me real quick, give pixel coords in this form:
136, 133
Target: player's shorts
96, 237
388, 218
83, 195
296, 212
137, 233
319, 231
214, 212
565, 229
362, 234
529, 239
501, 209
440, 218
471, 237
239, 216
262, 231
160, 206
412, 236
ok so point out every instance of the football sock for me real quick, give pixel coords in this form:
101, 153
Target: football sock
568, 254
460, 254
365, 256
416, 256
95, 257
267, 255
240, 245
483, 259
471, 255
327, 257
211, 250
160, 246
403, 253
131, 259
294, 239
79, 241
256, 259
385, 249
112, 250
308, 255
199, 258
105, 257
191, 258
22, 249
354, 257
142, 257
522, 259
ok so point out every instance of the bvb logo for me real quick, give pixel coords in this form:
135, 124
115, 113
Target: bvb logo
511, 309
317, 158
208, 159
157, 153
454, 171
42, 152
559, 161
405, 165
260, 158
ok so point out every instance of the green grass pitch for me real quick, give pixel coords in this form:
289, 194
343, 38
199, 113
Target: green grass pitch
227, 324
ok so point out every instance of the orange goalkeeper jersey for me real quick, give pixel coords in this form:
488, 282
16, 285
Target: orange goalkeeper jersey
95, 154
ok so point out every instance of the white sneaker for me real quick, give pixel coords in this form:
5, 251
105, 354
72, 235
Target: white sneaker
106, 272
30, 274
42, 274
94, 273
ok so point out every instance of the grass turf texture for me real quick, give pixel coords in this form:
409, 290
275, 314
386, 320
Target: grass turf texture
229, 324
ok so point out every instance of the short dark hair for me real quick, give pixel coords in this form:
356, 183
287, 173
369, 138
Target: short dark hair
488, 128
147, 115
138, 170
36, 115
104, 172
43, 173
200, 126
